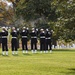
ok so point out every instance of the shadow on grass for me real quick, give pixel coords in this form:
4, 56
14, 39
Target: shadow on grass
30, 54
71, 50
27, 54
15, 55
71, 71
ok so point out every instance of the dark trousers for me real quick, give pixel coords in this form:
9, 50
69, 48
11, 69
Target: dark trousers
33, 43
4, 44
24, 44
14, 44
42, 44
48, 43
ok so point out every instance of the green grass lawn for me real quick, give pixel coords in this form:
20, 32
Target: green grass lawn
57, 63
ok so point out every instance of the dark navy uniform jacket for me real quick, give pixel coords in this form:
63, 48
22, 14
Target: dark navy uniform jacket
24, 33
42, 37
48, 34
4, 35
33, 36
14, 34
14, 38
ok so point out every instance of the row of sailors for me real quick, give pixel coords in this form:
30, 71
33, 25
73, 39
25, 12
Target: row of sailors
45, 40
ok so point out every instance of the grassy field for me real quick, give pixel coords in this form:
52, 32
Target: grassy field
60, 62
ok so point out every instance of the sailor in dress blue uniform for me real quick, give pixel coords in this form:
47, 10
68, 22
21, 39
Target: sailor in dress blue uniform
4, 35
14, 40
24, 38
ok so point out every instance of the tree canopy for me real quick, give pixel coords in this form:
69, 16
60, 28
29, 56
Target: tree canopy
58, 15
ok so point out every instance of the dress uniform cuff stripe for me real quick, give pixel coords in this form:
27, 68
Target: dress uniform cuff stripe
24, 36
14, 37
48, 38
42, 37
4, 36
34, 37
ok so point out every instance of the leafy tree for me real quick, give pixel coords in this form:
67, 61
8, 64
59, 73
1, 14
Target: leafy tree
5, 14
58, 15
33, 9
65, 11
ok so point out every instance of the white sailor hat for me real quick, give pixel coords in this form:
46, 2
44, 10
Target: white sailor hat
33, 28
18, 29
41, 29
24, 27
36, 29
13, 28
3, 27
47, 29
27, 28
52, 31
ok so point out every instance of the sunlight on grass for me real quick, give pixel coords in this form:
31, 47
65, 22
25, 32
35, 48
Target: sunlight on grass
57, 63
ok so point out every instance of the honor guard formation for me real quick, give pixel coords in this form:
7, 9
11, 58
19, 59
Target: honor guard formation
44, 36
